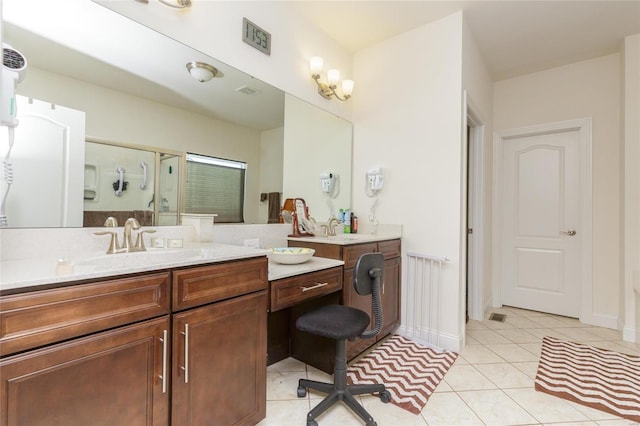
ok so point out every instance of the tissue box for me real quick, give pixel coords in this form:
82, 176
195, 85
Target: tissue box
202, 224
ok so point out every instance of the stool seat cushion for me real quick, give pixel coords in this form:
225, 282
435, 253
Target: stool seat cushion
334, 321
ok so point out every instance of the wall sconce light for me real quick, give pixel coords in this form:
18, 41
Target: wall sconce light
326, 90
201, 71
177, 4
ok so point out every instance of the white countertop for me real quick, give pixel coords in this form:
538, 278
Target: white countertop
278, 271
21, 274
17, 275
346, 239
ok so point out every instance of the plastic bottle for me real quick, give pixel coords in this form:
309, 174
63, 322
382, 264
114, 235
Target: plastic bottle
347, 221
354, 224
341, 215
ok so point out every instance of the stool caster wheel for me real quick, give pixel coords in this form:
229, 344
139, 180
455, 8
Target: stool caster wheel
302, 392
385, 396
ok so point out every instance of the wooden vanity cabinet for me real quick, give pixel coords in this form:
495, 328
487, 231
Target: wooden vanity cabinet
82, 374
112, 352
391, 249
220, 347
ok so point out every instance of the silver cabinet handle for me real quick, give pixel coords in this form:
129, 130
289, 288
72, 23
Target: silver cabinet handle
163, 339
185, 333
570, 232
313, 287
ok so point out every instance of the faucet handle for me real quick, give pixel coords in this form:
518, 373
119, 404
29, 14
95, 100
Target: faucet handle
111, 222
140, 240
113, 244
133, 222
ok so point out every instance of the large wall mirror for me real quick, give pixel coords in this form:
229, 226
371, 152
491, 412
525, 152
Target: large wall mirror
142, 111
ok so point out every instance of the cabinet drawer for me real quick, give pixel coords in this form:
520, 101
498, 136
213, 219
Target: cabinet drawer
206, 284
330, 251
352, 253
290, 291
34, 319
389, 249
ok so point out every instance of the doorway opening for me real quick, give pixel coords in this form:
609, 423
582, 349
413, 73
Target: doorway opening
474, 135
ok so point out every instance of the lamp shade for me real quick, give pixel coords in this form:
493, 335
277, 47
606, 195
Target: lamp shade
333, 76
315, 65
347, 87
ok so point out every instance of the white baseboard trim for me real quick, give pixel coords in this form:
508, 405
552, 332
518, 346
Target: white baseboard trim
437, 340
630, 334
603, 320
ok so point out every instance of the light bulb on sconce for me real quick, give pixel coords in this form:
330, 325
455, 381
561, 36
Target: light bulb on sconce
327, 90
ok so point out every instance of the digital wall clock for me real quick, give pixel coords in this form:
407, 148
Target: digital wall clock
256, 37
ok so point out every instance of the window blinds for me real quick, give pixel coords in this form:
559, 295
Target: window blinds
215, 186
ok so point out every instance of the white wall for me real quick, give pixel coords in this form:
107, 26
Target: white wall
631, 269
584, 89
477, 82
407, 119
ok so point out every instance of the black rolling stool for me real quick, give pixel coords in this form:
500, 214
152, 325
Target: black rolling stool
341, 322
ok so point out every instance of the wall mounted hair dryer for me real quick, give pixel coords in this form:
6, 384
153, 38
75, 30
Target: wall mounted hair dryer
328, 181
14, 68
375, 181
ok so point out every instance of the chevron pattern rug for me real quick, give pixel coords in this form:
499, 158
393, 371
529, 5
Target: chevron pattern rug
598, 378
410, 371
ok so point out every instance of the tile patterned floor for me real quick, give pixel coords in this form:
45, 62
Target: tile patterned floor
491, 382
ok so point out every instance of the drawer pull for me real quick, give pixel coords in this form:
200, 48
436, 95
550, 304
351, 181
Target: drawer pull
313, 287
185, 368
164, 361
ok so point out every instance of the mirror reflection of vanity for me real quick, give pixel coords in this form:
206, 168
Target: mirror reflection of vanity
135, 99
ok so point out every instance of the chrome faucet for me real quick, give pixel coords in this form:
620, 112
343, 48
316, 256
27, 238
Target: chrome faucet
111, 222
331, 227
133, 224
127, 244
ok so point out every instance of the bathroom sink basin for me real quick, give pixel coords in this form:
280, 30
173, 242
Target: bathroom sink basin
142, 258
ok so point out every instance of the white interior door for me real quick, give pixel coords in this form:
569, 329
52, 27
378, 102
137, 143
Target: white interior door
541, 222
47, 160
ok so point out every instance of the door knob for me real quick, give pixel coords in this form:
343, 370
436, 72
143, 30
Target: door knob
570, 232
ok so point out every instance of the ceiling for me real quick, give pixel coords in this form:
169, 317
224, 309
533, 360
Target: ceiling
515, 36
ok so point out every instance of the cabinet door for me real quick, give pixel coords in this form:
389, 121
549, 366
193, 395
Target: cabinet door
110, 378
391, 296
219, 363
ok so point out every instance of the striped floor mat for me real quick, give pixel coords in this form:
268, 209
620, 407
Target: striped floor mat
598, 378
409, 371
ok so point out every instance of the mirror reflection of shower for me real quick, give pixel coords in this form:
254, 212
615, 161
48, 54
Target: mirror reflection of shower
140, 181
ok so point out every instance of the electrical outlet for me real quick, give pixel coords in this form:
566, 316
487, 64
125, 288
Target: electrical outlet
253, 243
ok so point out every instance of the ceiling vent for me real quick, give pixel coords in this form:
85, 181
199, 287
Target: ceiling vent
249, 91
